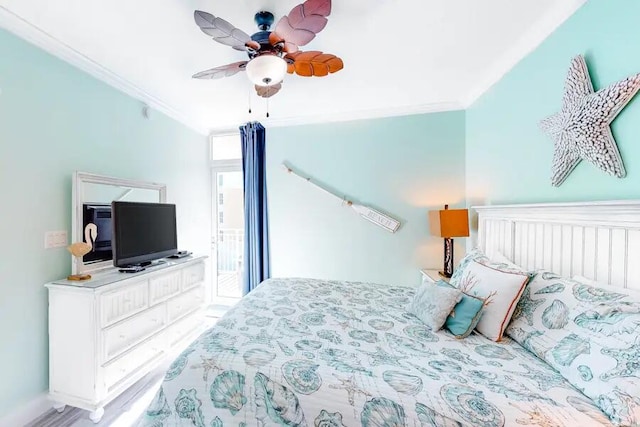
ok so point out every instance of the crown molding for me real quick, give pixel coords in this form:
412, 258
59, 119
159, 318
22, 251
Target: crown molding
45, 41
530, 40
525, 45
347, 116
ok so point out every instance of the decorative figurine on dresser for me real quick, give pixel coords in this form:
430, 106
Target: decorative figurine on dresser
80, 249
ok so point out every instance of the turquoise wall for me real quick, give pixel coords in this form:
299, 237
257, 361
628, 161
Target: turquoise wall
508, 159
55, 119
402, 165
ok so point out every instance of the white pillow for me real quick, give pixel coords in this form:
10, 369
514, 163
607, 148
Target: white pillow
501, 291
432, 304
499, 257
499, 262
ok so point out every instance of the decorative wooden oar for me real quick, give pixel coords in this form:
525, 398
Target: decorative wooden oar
376, 217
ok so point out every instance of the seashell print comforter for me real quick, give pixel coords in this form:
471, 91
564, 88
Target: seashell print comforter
305, 352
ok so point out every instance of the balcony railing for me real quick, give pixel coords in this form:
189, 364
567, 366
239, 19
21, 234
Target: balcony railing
230, 248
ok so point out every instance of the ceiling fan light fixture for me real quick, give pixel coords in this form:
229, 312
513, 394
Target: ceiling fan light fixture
266, 70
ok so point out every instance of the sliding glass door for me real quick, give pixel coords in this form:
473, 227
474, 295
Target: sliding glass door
227, 241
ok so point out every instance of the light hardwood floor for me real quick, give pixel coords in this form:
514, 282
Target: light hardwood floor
121, 412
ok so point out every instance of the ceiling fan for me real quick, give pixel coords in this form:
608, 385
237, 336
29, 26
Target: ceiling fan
272, 54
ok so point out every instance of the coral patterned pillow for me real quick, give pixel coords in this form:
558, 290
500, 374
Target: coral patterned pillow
500, 290
498, 262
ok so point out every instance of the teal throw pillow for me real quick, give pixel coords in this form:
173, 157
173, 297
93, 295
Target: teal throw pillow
465, 315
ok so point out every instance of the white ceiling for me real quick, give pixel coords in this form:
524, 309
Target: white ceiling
401, 56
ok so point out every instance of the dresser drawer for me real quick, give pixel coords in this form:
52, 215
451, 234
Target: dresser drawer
130, 362
163, 287
185, 303
127, 333
123, 302
192, 276
183, 330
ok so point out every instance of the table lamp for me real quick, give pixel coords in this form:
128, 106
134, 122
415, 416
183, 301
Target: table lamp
449, 223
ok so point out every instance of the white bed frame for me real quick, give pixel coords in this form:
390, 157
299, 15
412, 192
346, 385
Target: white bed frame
597, 240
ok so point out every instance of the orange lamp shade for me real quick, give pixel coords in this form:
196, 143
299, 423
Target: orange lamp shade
449, 223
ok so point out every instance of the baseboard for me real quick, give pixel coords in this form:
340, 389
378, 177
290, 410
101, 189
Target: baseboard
27, 412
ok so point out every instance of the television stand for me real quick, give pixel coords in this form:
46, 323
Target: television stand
158, 311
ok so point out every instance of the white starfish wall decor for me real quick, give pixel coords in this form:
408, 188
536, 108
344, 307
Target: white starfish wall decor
581, 130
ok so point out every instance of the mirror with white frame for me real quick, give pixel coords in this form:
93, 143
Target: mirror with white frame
92, 197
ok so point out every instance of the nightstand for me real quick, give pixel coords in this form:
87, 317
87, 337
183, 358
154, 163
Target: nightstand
432, 275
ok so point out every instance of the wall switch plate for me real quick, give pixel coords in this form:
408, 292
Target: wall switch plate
55, 239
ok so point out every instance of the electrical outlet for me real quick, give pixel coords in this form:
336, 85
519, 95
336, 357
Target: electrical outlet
55, 239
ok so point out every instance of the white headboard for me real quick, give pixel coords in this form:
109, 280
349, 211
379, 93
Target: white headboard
597, 240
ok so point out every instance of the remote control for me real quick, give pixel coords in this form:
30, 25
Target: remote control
135, 269
180, 254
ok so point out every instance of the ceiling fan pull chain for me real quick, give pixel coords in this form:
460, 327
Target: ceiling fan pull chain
267, 107
249, 101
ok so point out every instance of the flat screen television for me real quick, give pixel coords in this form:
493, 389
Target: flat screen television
142, 232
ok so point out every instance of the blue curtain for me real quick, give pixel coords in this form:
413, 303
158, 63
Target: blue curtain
256, 224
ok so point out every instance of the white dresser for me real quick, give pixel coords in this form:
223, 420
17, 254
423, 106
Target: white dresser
108, 332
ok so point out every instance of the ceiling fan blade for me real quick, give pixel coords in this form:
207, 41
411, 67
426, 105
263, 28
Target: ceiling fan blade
308, 55
335, 64
296, 36
221, 30
304, 69
317, 7
268, 91
302, 24
222, 71
313, 63
311, 22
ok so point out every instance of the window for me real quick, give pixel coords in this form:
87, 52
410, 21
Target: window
220, 180
221, 198
225, 147
220, 217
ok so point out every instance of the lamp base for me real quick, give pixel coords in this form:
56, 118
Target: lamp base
444, 274
448, 257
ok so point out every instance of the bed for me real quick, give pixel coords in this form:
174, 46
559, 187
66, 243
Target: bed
325, 353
